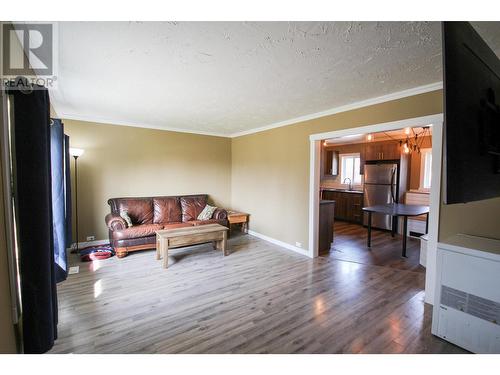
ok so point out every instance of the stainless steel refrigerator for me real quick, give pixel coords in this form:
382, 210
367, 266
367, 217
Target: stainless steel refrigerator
381, 186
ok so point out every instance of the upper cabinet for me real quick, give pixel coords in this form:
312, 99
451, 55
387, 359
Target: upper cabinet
382, 151
368, 151
331, 163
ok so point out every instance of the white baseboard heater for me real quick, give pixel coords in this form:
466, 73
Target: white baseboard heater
467, 305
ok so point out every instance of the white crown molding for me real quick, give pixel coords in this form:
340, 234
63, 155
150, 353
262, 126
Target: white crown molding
278, 243
76, 117
66, 116
348, 107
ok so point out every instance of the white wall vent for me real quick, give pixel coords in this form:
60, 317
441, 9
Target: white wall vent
479, 307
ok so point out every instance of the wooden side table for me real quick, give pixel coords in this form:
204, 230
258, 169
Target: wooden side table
235, 217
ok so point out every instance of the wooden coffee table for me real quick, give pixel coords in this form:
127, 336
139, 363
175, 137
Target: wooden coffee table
172, 238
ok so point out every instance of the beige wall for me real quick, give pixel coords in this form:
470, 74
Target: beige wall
480, 218
7, 336
270, 173
127, 161
265, 174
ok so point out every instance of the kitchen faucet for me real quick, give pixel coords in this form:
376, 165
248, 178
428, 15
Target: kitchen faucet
350, 182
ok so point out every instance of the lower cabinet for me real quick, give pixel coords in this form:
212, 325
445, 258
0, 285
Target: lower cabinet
348, 206
326, 221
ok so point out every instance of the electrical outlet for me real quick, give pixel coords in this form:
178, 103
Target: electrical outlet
90, 238
298, 244
73, 270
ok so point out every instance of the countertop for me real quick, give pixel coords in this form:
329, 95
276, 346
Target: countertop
326, 201
342, 190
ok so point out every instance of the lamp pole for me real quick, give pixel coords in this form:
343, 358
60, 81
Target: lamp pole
76, 200
76, 152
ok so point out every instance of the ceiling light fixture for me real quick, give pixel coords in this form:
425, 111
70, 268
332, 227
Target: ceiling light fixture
413, 143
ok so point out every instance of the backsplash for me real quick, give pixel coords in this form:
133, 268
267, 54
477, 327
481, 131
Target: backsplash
337, 184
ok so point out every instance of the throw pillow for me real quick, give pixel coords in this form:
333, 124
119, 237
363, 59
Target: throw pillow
207, 213
124, 216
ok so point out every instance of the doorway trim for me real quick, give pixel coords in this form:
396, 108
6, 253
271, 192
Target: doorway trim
435, 192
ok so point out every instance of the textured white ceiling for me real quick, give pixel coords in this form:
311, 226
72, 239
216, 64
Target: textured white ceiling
228, 77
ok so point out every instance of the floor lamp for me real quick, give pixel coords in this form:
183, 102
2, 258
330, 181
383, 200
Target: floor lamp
76, 152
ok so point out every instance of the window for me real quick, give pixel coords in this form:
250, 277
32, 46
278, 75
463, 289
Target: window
425, 168
349, 168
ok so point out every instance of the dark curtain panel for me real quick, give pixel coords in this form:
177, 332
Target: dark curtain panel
58, 198
67, 193
33, 205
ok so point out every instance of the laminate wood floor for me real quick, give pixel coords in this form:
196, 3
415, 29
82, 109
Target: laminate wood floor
350, 244
259, 299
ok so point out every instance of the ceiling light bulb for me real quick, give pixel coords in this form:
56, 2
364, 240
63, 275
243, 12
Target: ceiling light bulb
369, 137
407, 130
324, 143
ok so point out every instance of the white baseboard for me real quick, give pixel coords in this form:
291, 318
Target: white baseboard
279, 243
81, 245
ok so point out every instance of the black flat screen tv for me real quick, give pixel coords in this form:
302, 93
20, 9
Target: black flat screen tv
471, 115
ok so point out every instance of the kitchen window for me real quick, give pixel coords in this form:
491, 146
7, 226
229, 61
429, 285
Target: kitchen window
349, 168
425, 168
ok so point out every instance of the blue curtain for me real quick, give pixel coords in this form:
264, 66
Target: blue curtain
67, 192
57, 163
33, 202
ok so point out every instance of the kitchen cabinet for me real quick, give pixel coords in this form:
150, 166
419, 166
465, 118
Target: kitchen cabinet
354, 208
332, 163
326, 221
391, 151
382, 151
362, 160
340, 202
372, 151
348, 205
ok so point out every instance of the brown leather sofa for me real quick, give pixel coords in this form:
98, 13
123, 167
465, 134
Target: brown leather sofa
151, 214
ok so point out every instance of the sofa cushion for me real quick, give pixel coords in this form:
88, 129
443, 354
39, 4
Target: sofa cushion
192, 206
167, 210
128, 220
140, 210
136, 231
206, 213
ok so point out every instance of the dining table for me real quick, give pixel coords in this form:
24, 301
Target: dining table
397, 210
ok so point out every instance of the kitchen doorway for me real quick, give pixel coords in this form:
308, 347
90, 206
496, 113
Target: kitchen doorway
349, 182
